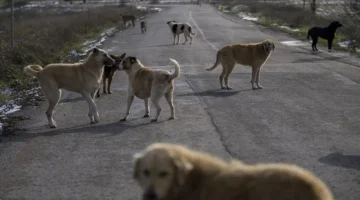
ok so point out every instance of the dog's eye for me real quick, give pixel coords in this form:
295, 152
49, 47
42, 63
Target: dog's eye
163, 174
146, 173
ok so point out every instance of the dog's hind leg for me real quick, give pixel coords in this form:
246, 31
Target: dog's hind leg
190, 38
221, 77
186, 39
104, 85
169, 98
258, 78
130, 99
174, 38
155, 98
53, 97
178, 39
147, 109
93, 111
314, 42
230, 67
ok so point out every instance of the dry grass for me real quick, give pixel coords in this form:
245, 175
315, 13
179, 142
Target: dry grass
45, 37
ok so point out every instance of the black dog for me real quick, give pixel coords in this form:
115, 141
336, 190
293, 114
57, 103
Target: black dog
327, 33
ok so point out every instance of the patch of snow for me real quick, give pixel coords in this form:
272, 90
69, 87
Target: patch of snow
247, 17
290, 29
344, 44
140, 7
8, 108
293, 43
156, 9
1, 128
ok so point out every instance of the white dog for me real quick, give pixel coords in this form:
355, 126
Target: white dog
179, 28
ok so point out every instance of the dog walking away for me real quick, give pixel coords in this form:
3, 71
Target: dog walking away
109, 72
173, 172
83, 78
143, 26
327, 33
127, 18
181, 28
253, 54
146, 83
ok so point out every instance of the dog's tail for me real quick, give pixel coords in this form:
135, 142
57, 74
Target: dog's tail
190, 31
176, 73
217, 62
32, 70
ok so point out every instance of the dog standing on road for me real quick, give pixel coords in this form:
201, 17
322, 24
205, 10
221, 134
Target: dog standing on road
143, 26
167, 171
109, 72
83, 78
327, 33
146, 83
253, 54
127, 18
181, 28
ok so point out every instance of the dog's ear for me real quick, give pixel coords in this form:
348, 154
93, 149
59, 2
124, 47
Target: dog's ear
122, 56
183, 168
132, 59
136, 165
95, 51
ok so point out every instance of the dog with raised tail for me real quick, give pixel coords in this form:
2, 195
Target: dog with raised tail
181, 28
145, 83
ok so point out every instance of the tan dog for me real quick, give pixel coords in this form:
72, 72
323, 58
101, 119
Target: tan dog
83, 78
173, 172
146, 83
254, 55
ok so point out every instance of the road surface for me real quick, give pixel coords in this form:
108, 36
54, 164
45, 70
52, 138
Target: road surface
307, 114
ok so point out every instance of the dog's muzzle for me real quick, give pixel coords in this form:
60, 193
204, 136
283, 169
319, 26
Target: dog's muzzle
109, 62
150, 194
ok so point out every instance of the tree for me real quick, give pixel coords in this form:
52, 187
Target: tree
313, 6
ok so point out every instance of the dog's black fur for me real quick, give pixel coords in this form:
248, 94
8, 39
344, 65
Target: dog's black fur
327, 33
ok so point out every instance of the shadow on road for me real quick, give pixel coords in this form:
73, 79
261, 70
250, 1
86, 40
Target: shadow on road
114, 128
214, 93
340, 160
161, 45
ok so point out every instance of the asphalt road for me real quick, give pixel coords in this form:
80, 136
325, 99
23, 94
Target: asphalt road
307, 114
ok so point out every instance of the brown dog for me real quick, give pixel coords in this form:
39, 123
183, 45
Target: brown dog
146, 83
83, 78
254, 55
173, 172
109, 72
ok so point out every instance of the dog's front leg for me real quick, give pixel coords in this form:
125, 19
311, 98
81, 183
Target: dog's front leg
104, 85
174, 38
253, 77
109, 84
93, 111
178, 39
147, 108
258, 78
330, 41
130, 99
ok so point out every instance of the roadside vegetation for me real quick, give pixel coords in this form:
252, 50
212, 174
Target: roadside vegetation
296, 19
44, 36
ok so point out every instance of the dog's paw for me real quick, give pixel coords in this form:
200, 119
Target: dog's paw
122, 120
172, 117
260, 87
153, 120
98, 95
229, 88
104, 92
223, 88
53, 126
110, 92
254, 88
146, 115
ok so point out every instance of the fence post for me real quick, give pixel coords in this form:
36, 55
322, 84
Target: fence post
12, 23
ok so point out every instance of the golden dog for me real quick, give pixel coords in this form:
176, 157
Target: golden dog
146, 83
173, 172
253, 55
83, 78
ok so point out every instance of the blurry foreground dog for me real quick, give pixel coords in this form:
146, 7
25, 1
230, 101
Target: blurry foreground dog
173, 172
146, 83
83, 78
253, 54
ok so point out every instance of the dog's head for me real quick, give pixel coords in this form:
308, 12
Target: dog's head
268, 45
158, 170
171, 22
118, 60
101, 56
335, 24
128, 63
